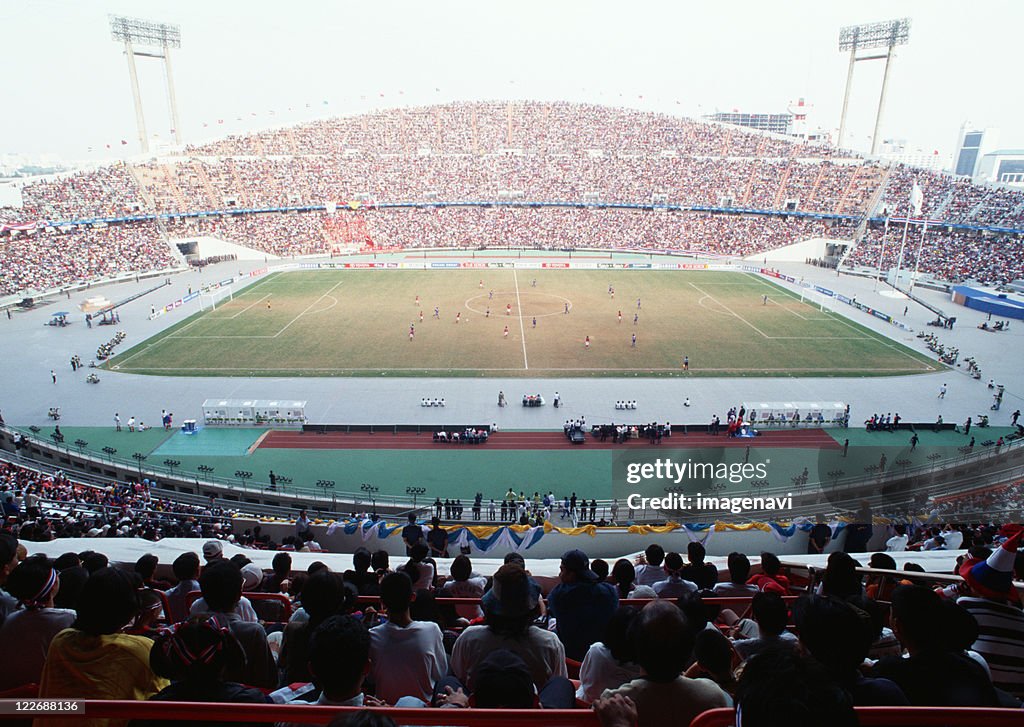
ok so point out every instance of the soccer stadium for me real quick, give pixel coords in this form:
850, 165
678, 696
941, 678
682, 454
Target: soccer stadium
568, 403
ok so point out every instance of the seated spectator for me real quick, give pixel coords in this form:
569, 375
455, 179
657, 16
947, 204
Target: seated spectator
993, 601
186, 570
8, 562
424, 567
277, 581
221, 584
936, 672
146, 568
705, 575
27, 632
323, 596
664, 645
898, 542
582, 606
92, 659
739, 572
195, 656
502, 681
841, 578
770, 579
465, 585
712, 653
339, 678
611, 662
650, 571
361, 577
785, 682
510, 608
674, 586
768, 628
624, 577
407, 657
838, 636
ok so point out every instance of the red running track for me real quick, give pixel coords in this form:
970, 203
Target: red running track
383, 439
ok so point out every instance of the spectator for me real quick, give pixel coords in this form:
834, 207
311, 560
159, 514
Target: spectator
737, 585
340, 680
323, 595
221, 584
424, 568
838, 636
92, 659
705, 575
674, 586
713, 655
819, 537
412, 535
502, 680
437, 539
582, 606
361, 577
465, 584
195, 656
623, 576
145, 566
510, 608
611, 662
898, 542
186, 570
8, 562
213, 550
26, 633
406, 657
768, 628
936, 673
650, 571
841, 578
664, 645
770, 579
277, 581
994, 603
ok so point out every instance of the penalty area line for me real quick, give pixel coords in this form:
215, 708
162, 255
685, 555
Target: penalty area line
522, 330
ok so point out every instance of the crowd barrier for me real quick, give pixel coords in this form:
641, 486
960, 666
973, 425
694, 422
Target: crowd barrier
898, 717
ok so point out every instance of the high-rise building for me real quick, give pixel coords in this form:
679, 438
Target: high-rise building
1003, 166
972, 143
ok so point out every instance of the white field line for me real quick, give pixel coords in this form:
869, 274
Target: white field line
308, 307
737, 315
259, 300
588, 368
522, 330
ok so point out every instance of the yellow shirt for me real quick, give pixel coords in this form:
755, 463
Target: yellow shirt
81, 666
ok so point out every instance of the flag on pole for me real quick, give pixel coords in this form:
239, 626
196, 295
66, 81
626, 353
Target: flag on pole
916, 199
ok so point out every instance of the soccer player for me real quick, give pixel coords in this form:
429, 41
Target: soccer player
636, 318
458, 316
686, 363
412, 331
633, 345
268, 303
620, 316
490, 296
488, 313
508, 309
764, 300
567, 309
505, 334
437, 313
417, 300
421, 316
638, 304
481, 284
586, 343
535, 321
534, 283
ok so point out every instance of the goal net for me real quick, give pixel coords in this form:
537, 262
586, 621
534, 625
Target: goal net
815, 299
213, 298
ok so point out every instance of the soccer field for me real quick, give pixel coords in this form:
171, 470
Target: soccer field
343, 323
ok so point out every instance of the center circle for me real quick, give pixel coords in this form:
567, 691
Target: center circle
534, 304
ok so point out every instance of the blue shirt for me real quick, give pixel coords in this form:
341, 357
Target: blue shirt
582, 611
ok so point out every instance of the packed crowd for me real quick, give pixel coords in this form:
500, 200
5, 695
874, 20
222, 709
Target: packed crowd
948, 255
45, 260
691, 639
954, 199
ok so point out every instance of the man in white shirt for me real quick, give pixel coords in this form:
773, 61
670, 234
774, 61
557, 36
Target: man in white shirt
954, 538
898, 542
674, 586
739, 572
406, 657
651, 571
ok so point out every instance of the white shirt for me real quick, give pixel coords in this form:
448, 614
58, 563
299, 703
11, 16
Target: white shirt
244, 609
469, 588
674, 587
896, 544
954, 539
648, 575
601, 671
728, 588
407, 661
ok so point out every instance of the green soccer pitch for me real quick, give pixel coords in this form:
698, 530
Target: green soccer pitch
354, 323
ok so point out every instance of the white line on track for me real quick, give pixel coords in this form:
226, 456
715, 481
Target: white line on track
522, 330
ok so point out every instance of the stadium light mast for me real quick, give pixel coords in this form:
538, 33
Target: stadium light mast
161, 37
887, 34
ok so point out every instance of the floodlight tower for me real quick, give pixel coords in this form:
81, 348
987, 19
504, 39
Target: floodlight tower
155, 35
888, 34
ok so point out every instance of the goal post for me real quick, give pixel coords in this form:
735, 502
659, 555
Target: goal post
813, 298
213, 298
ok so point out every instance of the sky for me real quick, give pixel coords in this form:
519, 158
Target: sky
250, 65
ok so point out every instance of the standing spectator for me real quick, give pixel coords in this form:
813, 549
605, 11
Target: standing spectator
582, 606
819, 537
302, 527
93, 659
437, 539
663, 644
898, 542
411, 534
406, 657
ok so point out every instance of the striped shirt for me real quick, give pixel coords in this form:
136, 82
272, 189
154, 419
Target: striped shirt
1000, 641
